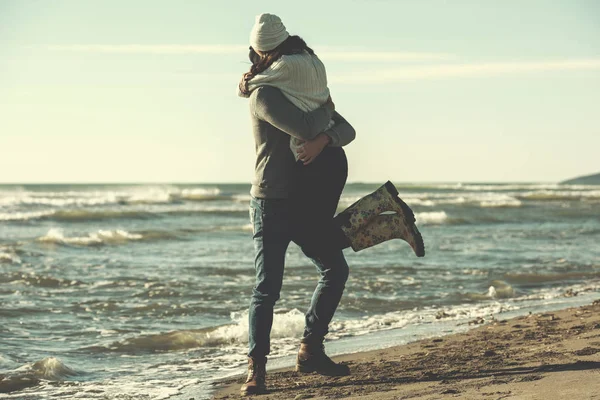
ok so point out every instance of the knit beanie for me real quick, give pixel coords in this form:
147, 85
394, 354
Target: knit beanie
268, 32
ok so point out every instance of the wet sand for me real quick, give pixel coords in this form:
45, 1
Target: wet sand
540, 356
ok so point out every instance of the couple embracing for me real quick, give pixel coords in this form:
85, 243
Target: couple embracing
300, 172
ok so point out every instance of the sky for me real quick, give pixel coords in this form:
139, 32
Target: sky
438, 91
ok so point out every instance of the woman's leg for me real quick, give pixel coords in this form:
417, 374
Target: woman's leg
364, 225
387, 227
334, 271
363, 211
319, 187
320, 238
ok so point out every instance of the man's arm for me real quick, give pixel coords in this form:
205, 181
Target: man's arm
270, 105
342, 133
339, 135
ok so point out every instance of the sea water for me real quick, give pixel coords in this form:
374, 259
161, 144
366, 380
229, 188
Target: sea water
141, 291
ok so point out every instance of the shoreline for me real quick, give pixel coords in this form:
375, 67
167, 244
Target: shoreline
550, 355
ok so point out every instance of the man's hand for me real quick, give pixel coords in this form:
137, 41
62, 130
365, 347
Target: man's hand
309, 151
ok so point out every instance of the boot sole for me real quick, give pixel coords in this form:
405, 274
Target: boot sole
253, 392
409, 219
308, 370
303, 369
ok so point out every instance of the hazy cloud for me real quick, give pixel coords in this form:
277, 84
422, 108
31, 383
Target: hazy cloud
327, 53
151, 48
390, 75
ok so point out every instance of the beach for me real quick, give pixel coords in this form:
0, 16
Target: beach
109, 291
554, 355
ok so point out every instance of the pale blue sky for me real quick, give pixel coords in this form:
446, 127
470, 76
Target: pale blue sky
144, 91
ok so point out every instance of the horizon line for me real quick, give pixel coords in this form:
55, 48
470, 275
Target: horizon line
250, 184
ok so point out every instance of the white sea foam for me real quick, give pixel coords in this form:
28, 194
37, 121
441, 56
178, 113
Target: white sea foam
431, 218
549, 195
497, 290
134, 195
286, 325
24, 216
245, 228
55, 235
242, 198
28, 375
402, 319
419, 202
51, 368
200, 194
481, 199
501, 201
504, 187
9, 257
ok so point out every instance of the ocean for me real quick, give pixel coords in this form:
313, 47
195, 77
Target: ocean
141, 291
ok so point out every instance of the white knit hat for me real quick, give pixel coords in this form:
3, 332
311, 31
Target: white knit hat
268, 32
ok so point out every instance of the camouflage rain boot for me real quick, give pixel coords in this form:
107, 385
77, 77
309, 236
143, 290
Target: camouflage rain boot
257, 376
362, 212
387, 227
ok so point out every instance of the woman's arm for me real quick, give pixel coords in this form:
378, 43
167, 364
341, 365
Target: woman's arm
342, 133
270, 105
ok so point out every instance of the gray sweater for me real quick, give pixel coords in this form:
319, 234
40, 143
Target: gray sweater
274, 120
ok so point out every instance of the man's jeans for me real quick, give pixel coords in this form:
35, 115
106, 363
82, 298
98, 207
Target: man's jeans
274, 227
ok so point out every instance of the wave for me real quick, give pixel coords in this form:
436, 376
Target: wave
560, 195
9, 258
146, 195
492, 198
533, 278
24, 216
83, 215
109, 237
101, 237
201, 194
498, 290
505, 186
285, 325
28, 375
96, 215
431, 218
501, 203
288, 325
243, 228
120, 236
33, 279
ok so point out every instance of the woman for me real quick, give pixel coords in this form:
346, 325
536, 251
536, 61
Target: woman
293, 201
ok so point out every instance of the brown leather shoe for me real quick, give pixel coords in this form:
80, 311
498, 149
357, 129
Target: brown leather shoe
257, 375
312, 358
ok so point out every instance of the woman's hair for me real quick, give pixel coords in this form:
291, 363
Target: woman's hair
291, 45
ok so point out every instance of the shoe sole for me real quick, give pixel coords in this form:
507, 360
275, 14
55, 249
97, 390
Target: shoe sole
303, 369
409, 219
253, 392
308, 370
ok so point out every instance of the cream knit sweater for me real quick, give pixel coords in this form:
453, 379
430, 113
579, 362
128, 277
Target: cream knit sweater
303, 81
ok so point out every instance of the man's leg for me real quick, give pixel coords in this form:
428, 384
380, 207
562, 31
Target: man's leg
270, 219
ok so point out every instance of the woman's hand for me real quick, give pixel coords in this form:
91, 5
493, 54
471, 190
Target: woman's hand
312, 148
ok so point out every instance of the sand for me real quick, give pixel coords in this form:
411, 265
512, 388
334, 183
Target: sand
540, 356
